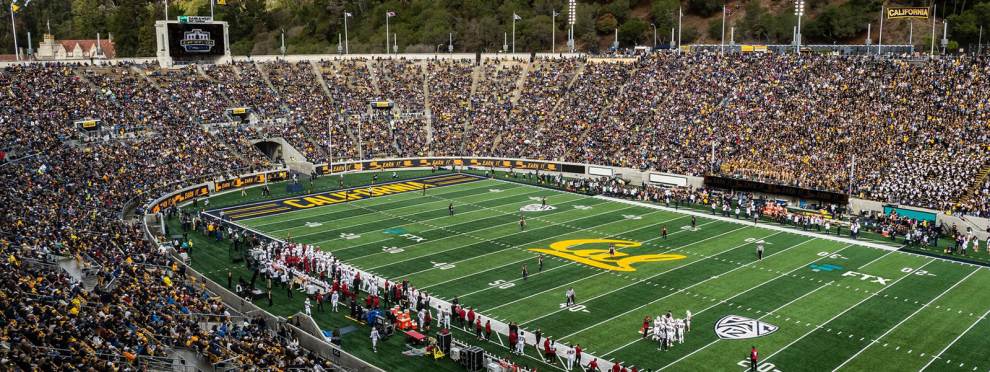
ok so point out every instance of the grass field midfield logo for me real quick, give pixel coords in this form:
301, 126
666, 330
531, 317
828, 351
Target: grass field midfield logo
536, 208
602, 258
735, 327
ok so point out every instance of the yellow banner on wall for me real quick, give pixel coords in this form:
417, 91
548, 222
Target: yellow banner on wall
908, 13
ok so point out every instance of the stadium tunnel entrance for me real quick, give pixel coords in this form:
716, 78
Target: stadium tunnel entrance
271, 149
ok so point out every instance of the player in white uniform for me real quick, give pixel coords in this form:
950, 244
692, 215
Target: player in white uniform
307, 307
679, 330
334, 299
687, 322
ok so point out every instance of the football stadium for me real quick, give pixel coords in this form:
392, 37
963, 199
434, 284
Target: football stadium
214, 191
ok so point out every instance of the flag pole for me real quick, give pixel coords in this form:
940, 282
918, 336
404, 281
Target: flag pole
880, 38
934, 11
17, 51
722, 48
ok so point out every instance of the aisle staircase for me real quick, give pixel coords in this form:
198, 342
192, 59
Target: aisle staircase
977, 185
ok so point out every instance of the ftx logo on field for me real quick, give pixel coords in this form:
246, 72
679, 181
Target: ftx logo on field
871, 278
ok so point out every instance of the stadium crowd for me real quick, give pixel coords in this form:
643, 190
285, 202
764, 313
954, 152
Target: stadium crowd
912, 132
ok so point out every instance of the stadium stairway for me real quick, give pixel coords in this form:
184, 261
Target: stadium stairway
520, 84
268, 82
427, 108
323, 83
977, 184
74, 269
373, 75
187, 360
476, 75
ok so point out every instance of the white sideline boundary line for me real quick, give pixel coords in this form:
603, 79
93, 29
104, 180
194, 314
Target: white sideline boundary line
538, 273
499, 326
499, 250
372, 205
891, 329
602, 272
375, 211
843, 312
788, 230
424, 178
685, 288
414, 223
652, 277
743, 292
939, 355
391, 198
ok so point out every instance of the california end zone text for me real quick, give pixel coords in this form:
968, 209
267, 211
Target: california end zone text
335, 197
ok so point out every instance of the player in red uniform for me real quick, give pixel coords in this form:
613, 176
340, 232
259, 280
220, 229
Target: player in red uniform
753, 359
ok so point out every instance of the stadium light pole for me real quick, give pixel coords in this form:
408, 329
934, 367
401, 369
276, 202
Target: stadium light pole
880, 37
722, 47
615, 44
211, 9
13, 26
680, 16
934, 12
672, 45
166, 11
388, 14
571, 19
799, 12
553, 30
654, 35
514, 18
347, 49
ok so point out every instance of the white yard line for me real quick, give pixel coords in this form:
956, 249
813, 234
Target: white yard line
690, 286
771, 226
406, 218
741, 293
434, 228
389, 197
439, 203
844, 311
505, 246
259, 202
568, 263
904, 320
939, 356
600, 272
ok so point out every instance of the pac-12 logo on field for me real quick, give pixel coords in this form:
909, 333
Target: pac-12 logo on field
537, 208
735, 327
601, 258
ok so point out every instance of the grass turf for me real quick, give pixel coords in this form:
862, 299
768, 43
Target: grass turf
925, 312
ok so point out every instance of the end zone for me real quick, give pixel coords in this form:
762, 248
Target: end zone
289, 204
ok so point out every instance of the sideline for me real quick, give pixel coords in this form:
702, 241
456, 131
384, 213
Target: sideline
776, 227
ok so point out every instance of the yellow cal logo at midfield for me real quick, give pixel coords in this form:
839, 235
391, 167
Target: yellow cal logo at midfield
601, 258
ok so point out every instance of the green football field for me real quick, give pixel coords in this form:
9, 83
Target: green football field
812, 303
